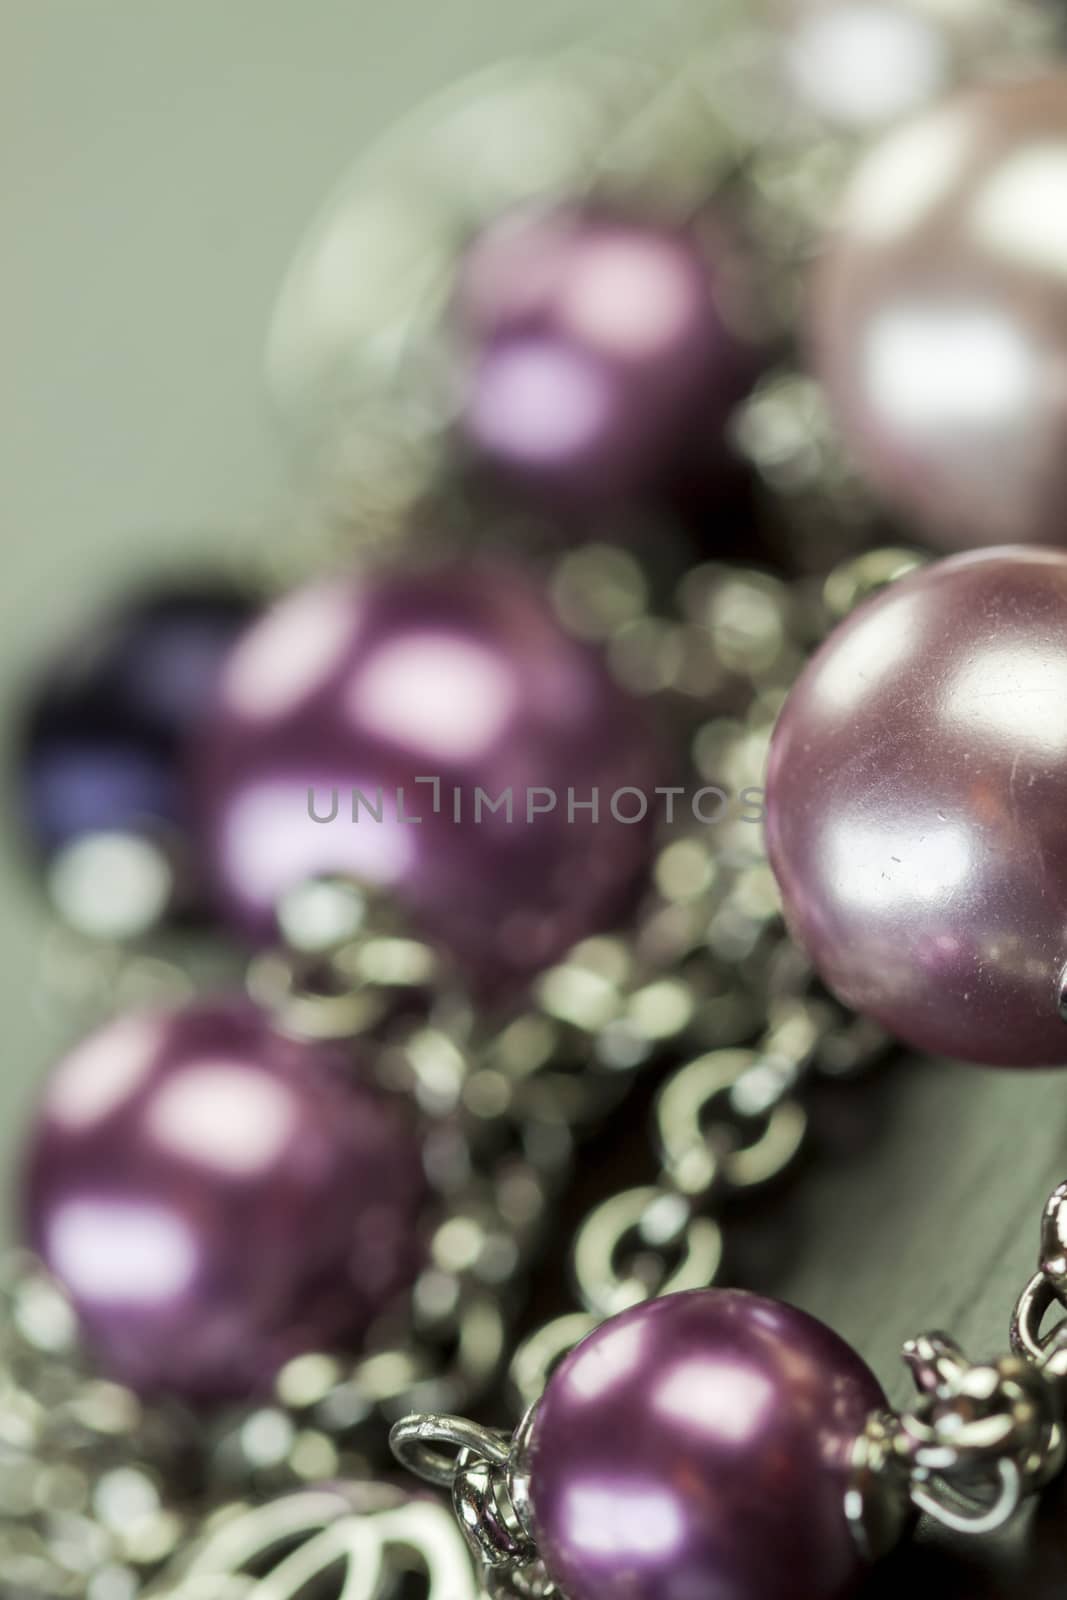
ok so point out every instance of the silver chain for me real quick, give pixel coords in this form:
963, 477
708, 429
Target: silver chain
727, 1124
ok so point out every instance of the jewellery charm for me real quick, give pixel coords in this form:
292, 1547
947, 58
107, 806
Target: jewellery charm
368, 1537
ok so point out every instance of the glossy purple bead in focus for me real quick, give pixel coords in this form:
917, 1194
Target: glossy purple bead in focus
916, 805
216, 1198
598, 347
939, 318
699, 1445
459, 674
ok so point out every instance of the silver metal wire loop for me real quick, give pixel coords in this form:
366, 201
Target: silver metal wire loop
1047, 1288
696, 1156
658, 1222
417, 1444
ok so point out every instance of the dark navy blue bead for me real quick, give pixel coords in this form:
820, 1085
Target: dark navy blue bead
101, 745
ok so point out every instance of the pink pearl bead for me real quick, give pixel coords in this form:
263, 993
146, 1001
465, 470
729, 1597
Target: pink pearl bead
940, 316
916, 795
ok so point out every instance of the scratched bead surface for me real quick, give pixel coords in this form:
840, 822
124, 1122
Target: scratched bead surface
917, 788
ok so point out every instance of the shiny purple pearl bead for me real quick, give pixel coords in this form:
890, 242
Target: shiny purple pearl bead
597, 347
916, 796
217, 1198
699, 1445
104, 728
336, 705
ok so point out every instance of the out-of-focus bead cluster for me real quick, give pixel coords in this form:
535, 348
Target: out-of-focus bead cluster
697, 971
747, 105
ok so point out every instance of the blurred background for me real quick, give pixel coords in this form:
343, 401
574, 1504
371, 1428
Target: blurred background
160, 164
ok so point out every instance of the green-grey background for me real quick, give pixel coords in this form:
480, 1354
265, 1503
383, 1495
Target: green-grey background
159, 160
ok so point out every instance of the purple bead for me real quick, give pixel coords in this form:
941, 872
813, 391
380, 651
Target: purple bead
216, 1198
698, 1445
598, 347
104, 729
940, 316
917, 789
459, 674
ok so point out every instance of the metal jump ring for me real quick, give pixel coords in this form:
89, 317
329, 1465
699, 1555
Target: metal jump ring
980, 1519
683, 1105
603, 1290
413, 1439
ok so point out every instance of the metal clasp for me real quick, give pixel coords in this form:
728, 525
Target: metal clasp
1048, 1287
488, 1475
982, 1437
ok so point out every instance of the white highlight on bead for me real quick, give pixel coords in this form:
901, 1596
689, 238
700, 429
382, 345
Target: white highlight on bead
121, 1251
907, 174
1020, 212
596, 1368
885, 869
224, 1115
103, 1072
628, 296
867, 654
862, 65
539, 401
111, 885
718, 1399
289, 653
444, 696
624, 1520
270, 843
957, 369
1014, 692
